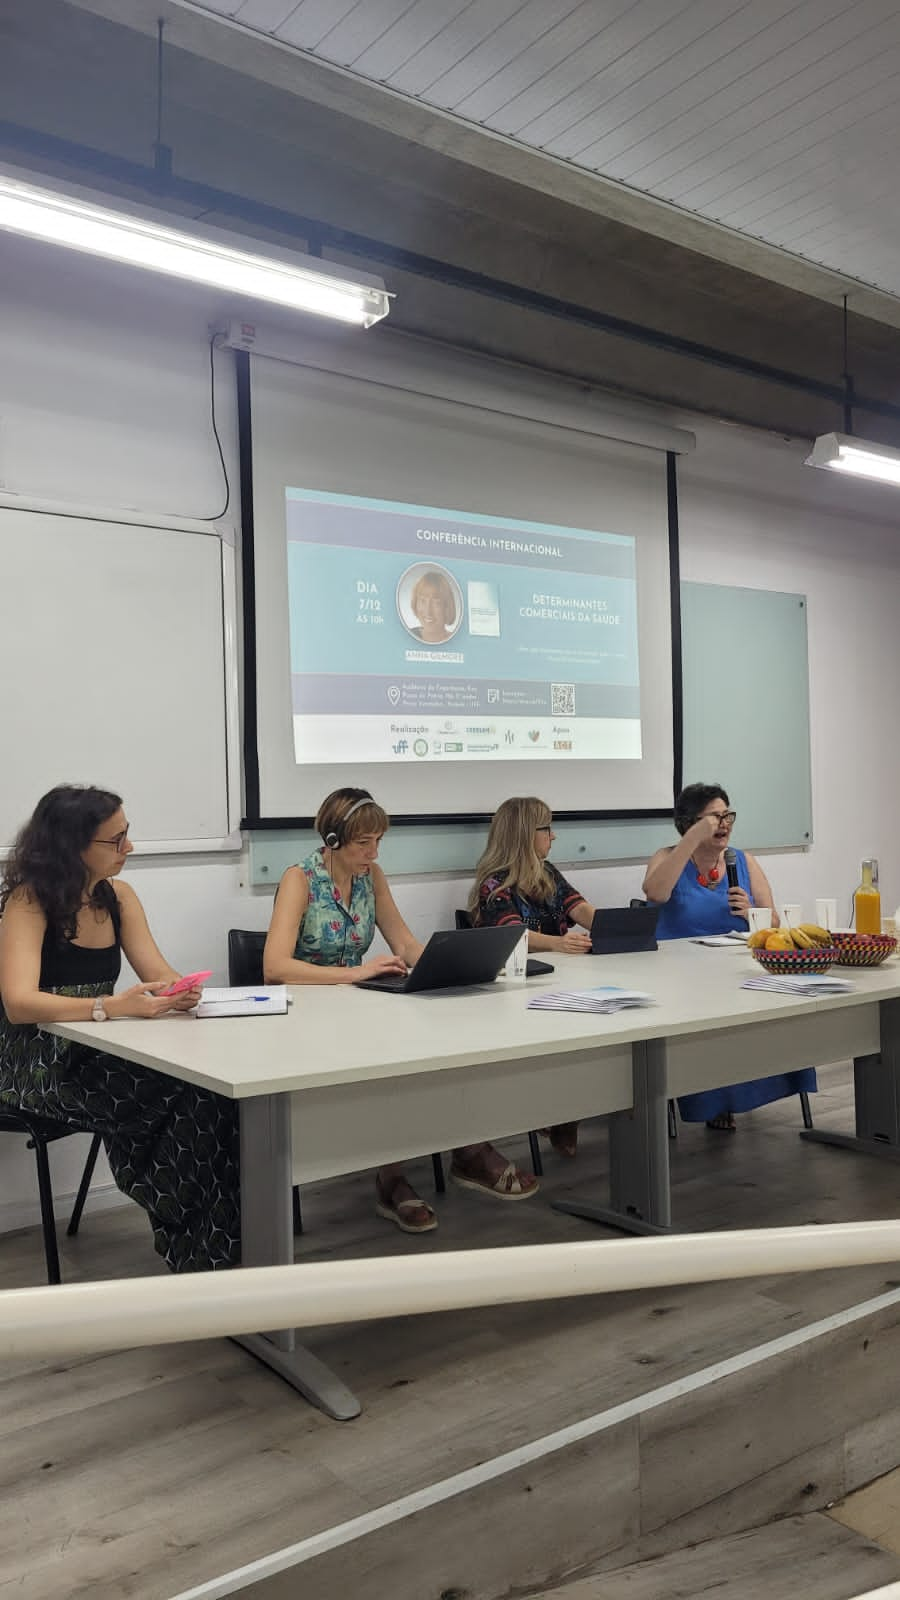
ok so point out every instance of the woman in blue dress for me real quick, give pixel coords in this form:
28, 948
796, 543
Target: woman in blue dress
689, 884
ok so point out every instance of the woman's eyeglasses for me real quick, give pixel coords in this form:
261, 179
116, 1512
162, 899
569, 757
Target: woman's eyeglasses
544, 827
723, 818
118, 843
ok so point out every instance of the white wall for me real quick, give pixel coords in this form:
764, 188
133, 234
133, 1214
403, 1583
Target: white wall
752, 515
104, 399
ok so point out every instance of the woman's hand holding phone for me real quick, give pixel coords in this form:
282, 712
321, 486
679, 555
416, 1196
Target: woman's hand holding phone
142, 1000
194, 980
155, 999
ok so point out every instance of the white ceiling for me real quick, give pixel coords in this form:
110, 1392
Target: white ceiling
778, 119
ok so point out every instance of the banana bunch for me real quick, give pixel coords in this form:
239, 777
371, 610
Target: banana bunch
808, 936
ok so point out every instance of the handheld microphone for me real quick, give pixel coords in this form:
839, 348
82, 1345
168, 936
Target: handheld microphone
731, 871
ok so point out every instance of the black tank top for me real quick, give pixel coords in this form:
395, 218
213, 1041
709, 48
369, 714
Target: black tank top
65, 965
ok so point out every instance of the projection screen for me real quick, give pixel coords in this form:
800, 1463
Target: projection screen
462, 589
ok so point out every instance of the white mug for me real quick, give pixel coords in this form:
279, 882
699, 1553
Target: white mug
826, 914
759, 917
790, 915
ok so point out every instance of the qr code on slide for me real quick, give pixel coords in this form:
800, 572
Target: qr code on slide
562, 699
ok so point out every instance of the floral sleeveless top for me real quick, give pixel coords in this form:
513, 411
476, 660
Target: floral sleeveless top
331, 933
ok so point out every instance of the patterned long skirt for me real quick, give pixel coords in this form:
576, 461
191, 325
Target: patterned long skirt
172, 1147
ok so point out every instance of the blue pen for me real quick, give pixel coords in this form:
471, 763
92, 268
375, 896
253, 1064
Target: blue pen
260, 999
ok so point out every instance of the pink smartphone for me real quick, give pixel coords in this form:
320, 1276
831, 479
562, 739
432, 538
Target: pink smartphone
194, 980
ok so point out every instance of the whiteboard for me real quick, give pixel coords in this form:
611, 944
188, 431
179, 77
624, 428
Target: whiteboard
116, 669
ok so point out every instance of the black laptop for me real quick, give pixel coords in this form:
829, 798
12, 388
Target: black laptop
454, 959
624, 930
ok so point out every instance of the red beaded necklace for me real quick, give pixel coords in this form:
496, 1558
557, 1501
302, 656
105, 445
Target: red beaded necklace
707, 879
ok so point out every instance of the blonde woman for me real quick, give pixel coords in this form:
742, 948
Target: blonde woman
515, 882
434, 604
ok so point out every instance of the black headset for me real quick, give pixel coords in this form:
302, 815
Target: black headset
336, 836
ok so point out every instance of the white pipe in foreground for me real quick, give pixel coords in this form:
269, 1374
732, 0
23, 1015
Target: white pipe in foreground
83, 1317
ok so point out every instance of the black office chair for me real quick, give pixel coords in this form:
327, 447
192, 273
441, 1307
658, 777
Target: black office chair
245, 966
464, 920
41, 1132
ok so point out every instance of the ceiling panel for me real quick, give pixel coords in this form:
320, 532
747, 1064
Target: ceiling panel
265, 15
310, 23
778, 118
461, 58
662, 116
418, 27
520, 70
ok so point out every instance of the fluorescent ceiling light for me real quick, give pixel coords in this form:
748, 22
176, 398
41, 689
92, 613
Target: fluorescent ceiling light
841, 452
310, 285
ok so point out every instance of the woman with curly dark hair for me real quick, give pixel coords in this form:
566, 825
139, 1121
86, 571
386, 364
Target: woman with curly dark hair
65, 921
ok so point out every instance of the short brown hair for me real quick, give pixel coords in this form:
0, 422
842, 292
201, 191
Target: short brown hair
333, 815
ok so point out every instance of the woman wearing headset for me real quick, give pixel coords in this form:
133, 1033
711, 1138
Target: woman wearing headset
324, 919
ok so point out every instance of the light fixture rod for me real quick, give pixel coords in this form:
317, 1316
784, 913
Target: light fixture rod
848, 381
162, 153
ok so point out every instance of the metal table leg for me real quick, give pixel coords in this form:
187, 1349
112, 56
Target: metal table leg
267, 1240
639, 1194
876, 1082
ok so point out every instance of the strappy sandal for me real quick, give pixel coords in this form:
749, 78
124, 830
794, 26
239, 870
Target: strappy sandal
401, 1211
509, 1185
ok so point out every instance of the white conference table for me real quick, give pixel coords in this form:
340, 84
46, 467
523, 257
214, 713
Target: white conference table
350, 1079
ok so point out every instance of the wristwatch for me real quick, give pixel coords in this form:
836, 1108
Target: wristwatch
99, 1013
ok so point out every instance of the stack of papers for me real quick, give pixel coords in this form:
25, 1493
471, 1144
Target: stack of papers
605, 1000
719, 939
259, 1000
801, 983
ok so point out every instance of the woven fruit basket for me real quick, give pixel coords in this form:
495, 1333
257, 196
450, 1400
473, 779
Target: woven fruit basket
863, 950
794, 963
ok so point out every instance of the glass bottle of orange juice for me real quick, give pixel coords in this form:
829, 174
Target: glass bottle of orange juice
867, 900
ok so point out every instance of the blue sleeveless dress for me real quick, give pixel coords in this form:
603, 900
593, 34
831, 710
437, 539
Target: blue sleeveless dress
690, 911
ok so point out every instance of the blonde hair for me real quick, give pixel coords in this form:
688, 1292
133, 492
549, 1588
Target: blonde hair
443, 588
510, 851
333, 816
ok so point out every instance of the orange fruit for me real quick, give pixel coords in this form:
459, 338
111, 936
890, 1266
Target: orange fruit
779, 941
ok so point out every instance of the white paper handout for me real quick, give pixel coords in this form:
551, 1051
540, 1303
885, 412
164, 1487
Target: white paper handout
604, 1000
253, 1000
808, 983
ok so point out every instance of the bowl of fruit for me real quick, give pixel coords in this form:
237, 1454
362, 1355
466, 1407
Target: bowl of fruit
863, 949
805, 949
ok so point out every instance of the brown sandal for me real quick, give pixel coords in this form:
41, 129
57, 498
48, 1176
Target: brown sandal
510, 1184
404, 1212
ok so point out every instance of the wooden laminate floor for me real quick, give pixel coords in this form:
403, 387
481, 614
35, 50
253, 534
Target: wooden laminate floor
796, 1558
141, 1473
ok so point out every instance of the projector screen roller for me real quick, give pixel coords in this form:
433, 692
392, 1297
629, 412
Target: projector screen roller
453, 604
